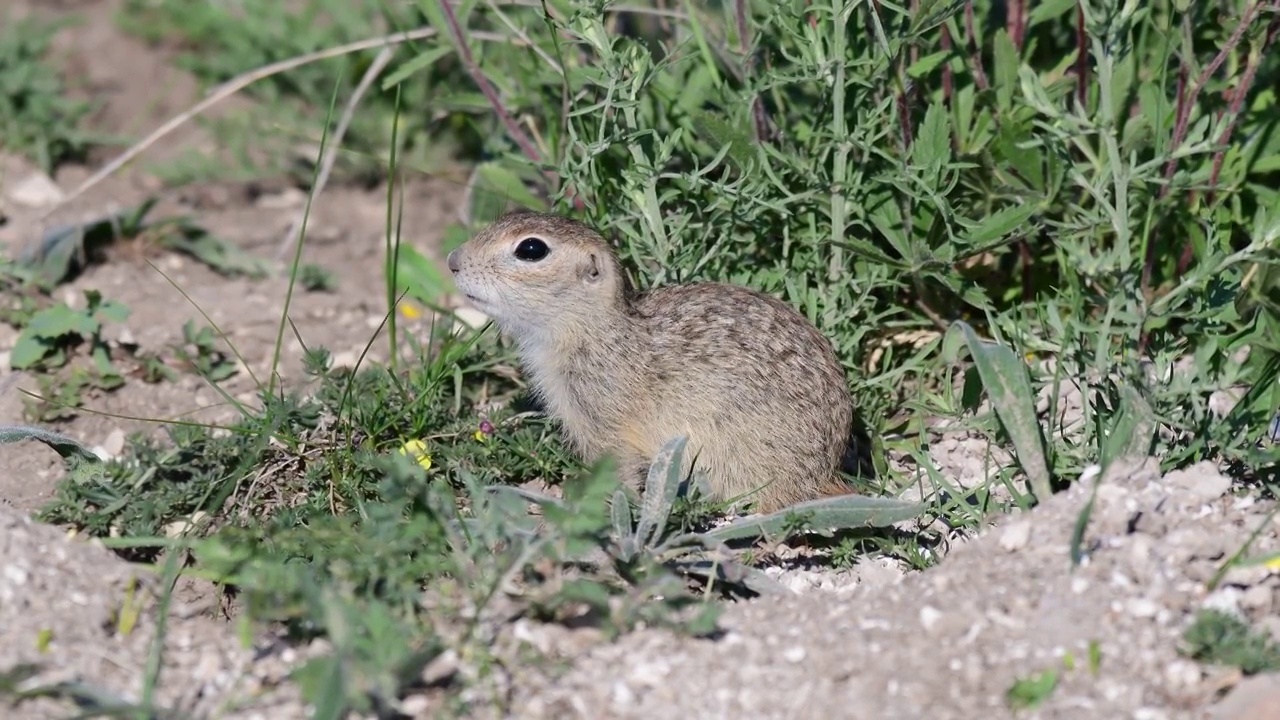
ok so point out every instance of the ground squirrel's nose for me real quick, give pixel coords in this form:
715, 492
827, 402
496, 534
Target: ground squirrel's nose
452, 260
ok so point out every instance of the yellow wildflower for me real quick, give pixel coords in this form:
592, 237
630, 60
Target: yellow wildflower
419, 451
409, 310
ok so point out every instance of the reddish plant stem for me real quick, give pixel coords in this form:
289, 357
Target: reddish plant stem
1082, 58
904, 120
1017, 28
947, 81
1024, 259
1237, 102
901, 99
1016, 22
486, 88
975, 56
1188, 100
759, 115
1149, 259
1181, 112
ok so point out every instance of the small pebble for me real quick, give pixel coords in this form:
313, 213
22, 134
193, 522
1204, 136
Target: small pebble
1143, 608
929, 617
1257, 598
36, 190
1016, 535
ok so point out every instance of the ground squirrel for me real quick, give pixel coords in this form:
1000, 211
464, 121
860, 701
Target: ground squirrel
755, 386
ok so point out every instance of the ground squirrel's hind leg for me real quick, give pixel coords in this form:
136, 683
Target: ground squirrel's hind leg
835, 486
633, 468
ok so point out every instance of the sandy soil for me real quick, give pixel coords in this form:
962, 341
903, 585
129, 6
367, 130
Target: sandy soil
873, 642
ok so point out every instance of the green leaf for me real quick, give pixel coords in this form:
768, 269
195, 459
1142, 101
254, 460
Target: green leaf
454, 237
113, 311
221, 256
1133, 429
932, 147
887, 218
1026, 163
323, 684
726, 571
1004, 376
423, 61
867, 251
998, 224
620, 513
718, 133
65, 446
28, 351
419, 276
1081, 524
108, 377
1030, 692
838, 513
1048, 10
1006, 70
56, 321
62, 250
927, 64
1267, 164
493, 187
660, 489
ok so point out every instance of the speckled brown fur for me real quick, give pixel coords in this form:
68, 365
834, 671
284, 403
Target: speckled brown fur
755, 386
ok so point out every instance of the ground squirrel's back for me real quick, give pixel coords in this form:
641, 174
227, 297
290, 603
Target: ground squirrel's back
756, 383
755, 386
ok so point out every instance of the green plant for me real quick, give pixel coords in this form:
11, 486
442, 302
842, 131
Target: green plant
37, 118
200, 352
52, 333
50, 340
197, 353
897, 173
314, 278
1223, 639
1029, 692
66, 250
218, 42
651, 536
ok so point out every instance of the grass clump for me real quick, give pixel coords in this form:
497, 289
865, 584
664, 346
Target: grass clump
1221, 638
310, 516
1094, 196
38, 119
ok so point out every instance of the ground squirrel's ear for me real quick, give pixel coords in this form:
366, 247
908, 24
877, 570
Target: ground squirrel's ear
594, 270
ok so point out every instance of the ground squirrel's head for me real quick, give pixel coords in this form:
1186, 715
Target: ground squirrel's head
537, 274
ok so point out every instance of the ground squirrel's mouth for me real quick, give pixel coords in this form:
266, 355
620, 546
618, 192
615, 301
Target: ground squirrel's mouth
477, 303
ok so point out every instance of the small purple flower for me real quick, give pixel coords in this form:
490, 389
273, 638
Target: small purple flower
486, 427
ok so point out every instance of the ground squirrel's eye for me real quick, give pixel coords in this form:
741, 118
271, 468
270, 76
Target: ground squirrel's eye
532, 250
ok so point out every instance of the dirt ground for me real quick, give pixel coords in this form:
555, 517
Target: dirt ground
873, 642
